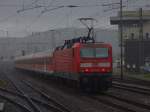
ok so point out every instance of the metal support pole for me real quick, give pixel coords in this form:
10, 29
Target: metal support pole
141, 24
121, 41
141, 52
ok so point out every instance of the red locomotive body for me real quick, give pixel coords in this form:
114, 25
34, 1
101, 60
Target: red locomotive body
89, 64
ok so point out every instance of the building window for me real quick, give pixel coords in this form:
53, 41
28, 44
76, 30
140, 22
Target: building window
132, 35
147, 35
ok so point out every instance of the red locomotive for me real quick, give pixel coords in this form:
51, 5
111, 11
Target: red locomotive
90, 64
87, 63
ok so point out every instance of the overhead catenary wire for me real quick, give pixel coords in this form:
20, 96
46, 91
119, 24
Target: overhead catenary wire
36, 1
64, 6
53, 8
50, 7
39, 16
70, 6
30, 8
33, 5
56, 8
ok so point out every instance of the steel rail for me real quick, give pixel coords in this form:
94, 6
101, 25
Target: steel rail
132, 88
112, 104
141, 105
25, 108
28, 99
33, 99
56, 103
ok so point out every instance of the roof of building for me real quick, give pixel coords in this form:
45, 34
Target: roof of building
131, 17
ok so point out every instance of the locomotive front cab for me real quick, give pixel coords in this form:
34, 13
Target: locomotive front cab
96, 65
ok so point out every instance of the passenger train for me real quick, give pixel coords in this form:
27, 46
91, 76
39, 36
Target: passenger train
89, 64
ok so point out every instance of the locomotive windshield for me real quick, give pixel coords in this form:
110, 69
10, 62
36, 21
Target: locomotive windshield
94, 52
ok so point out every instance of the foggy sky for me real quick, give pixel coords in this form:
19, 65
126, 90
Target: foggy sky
23, 23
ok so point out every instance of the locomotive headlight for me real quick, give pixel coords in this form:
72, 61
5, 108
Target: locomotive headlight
86, 65
104, 64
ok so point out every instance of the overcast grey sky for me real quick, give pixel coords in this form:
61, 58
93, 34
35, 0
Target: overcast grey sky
27, 21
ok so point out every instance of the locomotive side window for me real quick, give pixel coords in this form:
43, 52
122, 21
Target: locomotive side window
94, 52
101, 52
87, 52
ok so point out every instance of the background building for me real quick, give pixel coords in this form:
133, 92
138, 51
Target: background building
48, 40
136, 37
132, 24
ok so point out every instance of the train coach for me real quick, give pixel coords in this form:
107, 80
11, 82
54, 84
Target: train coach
88, 64
38, 62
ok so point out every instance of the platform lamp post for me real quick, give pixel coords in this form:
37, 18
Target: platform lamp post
121, 33
121, 41
141, 50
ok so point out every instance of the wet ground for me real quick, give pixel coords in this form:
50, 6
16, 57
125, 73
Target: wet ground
69, 97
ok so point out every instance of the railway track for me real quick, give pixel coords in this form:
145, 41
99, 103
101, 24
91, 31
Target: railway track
116, 101
132, 87
132, 81
9, 94
14, 102
58, 106
113, 101
29, 103
121, 103
111, 104
33, 105
110, 100
39, 101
